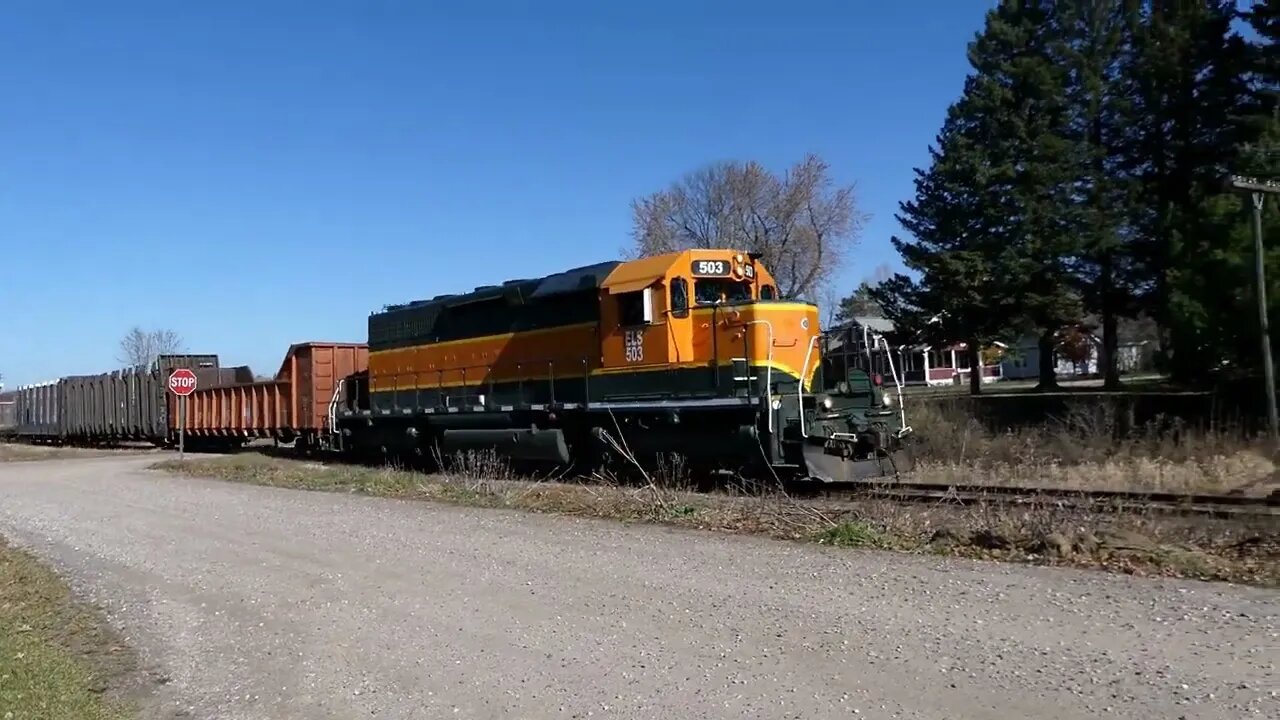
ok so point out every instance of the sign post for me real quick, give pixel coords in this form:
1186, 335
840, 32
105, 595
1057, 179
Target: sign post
182, 382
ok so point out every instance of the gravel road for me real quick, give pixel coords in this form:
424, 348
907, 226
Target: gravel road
255, 602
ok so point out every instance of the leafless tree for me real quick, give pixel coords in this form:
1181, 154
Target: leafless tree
802, 223
140, 348
880, 275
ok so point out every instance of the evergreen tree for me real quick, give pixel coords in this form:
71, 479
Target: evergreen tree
1259, 157
1264, 63
1038, 161
958, 259
992, 220
1183, 85
1093, 38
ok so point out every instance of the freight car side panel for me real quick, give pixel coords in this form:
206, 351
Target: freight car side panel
251, 410
123, 405
8, 413
38, 410
315, 371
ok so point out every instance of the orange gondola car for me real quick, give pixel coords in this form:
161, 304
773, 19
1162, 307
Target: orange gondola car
294, 406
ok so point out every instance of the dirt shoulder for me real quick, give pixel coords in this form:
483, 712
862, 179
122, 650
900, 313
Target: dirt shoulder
1150, 544
58, 657
19, 452
260, 602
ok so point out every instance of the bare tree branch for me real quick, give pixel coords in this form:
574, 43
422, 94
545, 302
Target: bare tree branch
140, 348
801, 223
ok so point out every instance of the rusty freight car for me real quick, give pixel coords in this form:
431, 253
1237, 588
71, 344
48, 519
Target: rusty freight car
292, 407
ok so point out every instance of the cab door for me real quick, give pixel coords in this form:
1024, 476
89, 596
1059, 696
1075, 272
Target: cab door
634, 330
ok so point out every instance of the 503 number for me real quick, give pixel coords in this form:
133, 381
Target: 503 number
710, 267
633, 346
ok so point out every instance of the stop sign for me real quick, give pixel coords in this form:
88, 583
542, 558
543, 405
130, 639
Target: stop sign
182, 382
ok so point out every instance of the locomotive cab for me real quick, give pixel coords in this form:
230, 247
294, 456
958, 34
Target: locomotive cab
711, 321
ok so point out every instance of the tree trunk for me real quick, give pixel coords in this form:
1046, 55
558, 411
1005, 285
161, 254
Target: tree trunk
974, 351
1110, 326
1048, 373
1110, 352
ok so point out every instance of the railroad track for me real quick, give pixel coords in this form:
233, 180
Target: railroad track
1093, 500
1096, 500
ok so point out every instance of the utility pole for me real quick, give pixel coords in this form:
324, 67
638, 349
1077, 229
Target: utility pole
1258, 190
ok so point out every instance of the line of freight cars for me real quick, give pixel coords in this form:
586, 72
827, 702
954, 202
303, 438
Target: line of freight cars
228, 408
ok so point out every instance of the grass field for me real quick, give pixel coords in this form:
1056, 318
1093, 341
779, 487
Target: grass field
58, 660
1084, 450
1046, 533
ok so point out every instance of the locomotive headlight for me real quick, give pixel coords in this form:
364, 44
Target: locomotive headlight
887, 400
825, 402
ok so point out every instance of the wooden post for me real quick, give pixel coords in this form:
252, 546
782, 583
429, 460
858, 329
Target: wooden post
182, 426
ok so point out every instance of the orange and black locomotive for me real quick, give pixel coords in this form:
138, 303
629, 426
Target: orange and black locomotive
691, 352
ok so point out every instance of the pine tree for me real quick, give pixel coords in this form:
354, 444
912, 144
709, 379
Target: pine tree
992, 218
1182, 81
861, 303
1093, 38
1259, 157
956, 298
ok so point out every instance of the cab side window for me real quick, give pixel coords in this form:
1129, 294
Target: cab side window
768, 293
635, 308
679, 297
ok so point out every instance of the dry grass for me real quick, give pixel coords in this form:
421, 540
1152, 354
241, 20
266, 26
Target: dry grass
1048, 532
1086, 451
18, 452
57, 659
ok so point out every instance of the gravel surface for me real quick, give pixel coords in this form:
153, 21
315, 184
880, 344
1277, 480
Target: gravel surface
253, 602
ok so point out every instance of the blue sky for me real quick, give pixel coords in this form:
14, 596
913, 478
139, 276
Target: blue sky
253, 174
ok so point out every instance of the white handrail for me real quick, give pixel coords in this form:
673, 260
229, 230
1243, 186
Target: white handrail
893, 372
804, 373
333, 406
768, 369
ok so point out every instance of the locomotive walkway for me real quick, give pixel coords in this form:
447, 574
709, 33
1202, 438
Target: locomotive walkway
254, 602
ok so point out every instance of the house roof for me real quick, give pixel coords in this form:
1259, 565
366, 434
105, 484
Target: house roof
874, 324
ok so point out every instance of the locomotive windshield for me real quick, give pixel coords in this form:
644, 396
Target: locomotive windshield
709, 291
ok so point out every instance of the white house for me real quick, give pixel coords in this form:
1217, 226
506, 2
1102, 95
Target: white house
915, 364
1023, 360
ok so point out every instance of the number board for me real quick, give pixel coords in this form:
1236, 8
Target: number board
633, 346
713, 268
